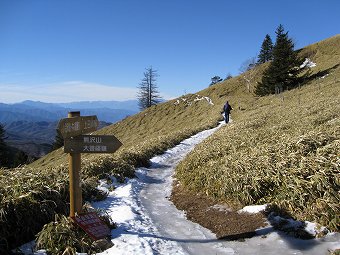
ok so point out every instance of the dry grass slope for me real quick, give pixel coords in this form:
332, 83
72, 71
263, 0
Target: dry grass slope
304, 133
32, 195
285, 150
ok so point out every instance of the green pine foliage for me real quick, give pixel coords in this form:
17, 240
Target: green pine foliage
270, 139
215, 79
282, 73
266, 52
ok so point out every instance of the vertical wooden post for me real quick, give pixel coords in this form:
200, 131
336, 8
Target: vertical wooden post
74, 173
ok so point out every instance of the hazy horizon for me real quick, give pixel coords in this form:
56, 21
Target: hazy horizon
64, 51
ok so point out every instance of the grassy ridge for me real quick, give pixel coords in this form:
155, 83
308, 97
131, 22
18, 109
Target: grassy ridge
281, 149
30, 196
284, 153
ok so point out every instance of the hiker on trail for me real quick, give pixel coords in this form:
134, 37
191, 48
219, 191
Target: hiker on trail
227, 108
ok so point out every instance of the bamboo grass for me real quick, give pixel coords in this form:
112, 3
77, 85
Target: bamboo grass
280, 149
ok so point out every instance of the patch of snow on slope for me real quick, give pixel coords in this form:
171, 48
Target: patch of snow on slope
162, 229
253, 208
198, 98
308, 63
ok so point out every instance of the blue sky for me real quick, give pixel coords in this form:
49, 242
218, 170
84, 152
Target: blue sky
75, 50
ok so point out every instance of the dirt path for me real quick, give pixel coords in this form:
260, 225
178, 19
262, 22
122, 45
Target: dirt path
218, 225
148, 223
220, 219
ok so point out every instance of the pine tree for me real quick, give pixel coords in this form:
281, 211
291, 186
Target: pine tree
283, 70
148, 94
4, 150
215, 79
266, 52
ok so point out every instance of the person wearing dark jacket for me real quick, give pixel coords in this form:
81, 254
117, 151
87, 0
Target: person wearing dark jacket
227, 108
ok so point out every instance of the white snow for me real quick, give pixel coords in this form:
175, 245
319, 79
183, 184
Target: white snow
178, 101
253, 208
308, 63
148, 223
198, 98
313, 228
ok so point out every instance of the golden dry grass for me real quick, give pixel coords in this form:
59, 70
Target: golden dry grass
269, 136
285, 153
32, 195
285, 150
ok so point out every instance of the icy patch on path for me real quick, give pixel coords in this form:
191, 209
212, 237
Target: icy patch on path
148, 223
137, 232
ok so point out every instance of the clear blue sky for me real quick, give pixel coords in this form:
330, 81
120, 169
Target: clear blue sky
73, 50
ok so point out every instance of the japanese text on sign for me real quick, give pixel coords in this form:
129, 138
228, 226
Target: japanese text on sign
71, 126
92, 144
90, 124
77, 125
92, 148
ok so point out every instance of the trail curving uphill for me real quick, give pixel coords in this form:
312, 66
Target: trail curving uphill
148, 223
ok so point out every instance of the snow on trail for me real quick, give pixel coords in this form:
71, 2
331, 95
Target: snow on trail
131, 205
148, 223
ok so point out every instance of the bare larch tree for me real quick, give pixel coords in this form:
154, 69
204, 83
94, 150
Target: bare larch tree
148, 94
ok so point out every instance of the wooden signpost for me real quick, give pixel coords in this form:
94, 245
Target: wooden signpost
92, 144
73, 129
76, 125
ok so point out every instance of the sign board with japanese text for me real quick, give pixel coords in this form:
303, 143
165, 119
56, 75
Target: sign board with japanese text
70, 127
92, 225
92, 144
73, 130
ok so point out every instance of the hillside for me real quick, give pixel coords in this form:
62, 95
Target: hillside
294, 127
281, 150
31, 125
34, 138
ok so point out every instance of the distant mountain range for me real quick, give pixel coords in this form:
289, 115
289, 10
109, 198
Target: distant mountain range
31, 125
108, 111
